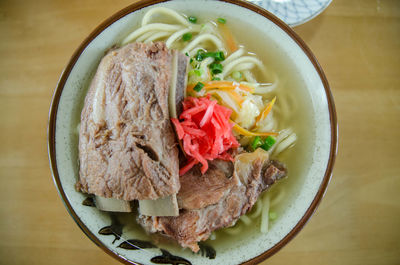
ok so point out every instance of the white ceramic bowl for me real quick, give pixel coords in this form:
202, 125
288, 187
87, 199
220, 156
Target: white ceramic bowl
321, 151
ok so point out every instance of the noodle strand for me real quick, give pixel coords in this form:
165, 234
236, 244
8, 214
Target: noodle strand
150, 27
166, 11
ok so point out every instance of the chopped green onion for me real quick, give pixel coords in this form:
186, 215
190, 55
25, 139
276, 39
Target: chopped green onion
221, 20
219, 56
197, 72
272, 215
192, 19
200, 55
198, 86
256, 142
191, 60
237, 75
187, 54
216, 68
187, 36
216, 78
268, 143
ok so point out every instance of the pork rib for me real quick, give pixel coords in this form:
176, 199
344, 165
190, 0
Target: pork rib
127, 146
233, 196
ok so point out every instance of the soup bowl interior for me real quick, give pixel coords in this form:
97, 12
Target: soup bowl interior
309, 162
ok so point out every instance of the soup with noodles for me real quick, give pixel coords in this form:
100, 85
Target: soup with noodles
255, 84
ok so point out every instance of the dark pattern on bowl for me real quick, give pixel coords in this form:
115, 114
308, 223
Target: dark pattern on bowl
168, 258
116, 228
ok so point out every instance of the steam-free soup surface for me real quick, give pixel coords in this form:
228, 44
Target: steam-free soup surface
294, 112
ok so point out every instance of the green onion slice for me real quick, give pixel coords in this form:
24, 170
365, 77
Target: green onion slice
221, 20
192, 19
218, 56
200, 55
187, 36
268, 143
216, 68
198, 86
257, 142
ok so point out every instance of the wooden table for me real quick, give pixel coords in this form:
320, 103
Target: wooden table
357, 43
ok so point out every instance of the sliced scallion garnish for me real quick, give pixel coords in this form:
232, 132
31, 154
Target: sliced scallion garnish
187, 36
200, 55
257, 142
268, 143
218, 56
221, 20
198, 86
216, 68
198, 72
192, 19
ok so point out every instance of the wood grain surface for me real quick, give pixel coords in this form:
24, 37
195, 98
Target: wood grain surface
357, 42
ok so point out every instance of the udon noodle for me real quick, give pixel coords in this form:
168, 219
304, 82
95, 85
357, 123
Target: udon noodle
253, 73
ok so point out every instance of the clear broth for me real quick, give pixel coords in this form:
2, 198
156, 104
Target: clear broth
296, 158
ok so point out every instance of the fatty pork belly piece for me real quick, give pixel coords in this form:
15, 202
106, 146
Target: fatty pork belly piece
216, 199
127, 146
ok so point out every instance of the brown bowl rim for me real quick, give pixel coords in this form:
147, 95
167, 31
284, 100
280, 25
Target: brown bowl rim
144, 3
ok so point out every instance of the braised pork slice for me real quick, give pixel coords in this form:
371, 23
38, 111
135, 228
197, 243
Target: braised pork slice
236, 194
198, 191
127, 146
